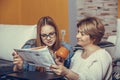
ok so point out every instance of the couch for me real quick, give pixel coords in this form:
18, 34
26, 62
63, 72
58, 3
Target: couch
11, 37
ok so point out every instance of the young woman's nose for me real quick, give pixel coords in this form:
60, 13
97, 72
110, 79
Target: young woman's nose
48, 37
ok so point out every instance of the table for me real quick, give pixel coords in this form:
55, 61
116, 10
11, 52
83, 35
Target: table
33, 76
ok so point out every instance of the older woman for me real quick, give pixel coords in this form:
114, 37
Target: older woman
91, 63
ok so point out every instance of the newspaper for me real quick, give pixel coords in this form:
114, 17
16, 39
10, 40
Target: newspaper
39, 57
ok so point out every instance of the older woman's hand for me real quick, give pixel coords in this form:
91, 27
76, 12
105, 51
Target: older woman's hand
59, 68
18, 61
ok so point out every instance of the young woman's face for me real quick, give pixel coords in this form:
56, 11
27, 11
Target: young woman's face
83, 39
48, 35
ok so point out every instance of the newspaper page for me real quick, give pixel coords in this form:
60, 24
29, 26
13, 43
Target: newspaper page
39, 57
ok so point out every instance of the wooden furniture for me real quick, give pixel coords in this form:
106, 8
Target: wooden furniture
33, 76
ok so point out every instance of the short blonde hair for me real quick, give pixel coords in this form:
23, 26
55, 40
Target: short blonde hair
93, 27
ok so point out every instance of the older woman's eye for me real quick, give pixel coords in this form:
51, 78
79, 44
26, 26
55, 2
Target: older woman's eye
82, 33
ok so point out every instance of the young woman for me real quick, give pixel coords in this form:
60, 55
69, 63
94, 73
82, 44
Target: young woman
91, 63
47, 35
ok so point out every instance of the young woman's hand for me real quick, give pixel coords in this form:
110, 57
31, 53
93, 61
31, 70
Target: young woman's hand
18, 61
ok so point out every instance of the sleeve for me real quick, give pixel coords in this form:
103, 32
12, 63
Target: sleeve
28, 66
30, 44
71, 53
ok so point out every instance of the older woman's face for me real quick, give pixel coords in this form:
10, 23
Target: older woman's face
83, 39
48, 35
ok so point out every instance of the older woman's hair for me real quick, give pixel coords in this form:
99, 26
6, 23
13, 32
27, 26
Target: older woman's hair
93, 27
47, 21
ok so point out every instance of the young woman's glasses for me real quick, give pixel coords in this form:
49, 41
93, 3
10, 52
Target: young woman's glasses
45, 36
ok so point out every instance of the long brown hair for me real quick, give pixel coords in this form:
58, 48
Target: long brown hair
46, 20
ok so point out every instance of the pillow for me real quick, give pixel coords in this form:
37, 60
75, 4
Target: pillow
14, 36
112, 39
117, 51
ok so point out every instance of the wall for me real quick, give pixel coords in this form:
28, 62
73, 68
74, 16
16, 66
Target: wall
106, 10
10, 12
118, 8
28, 12
72, 22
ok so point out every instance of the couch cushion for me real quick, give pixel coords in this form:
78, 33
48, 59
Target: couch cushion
14, 36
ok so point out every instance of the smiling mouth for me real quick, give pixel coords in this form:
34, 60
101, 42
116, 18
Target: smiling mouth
49, 42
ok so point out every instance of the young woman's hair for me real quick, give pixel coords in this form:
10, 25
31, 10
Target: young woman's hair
47, 21
93, 27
